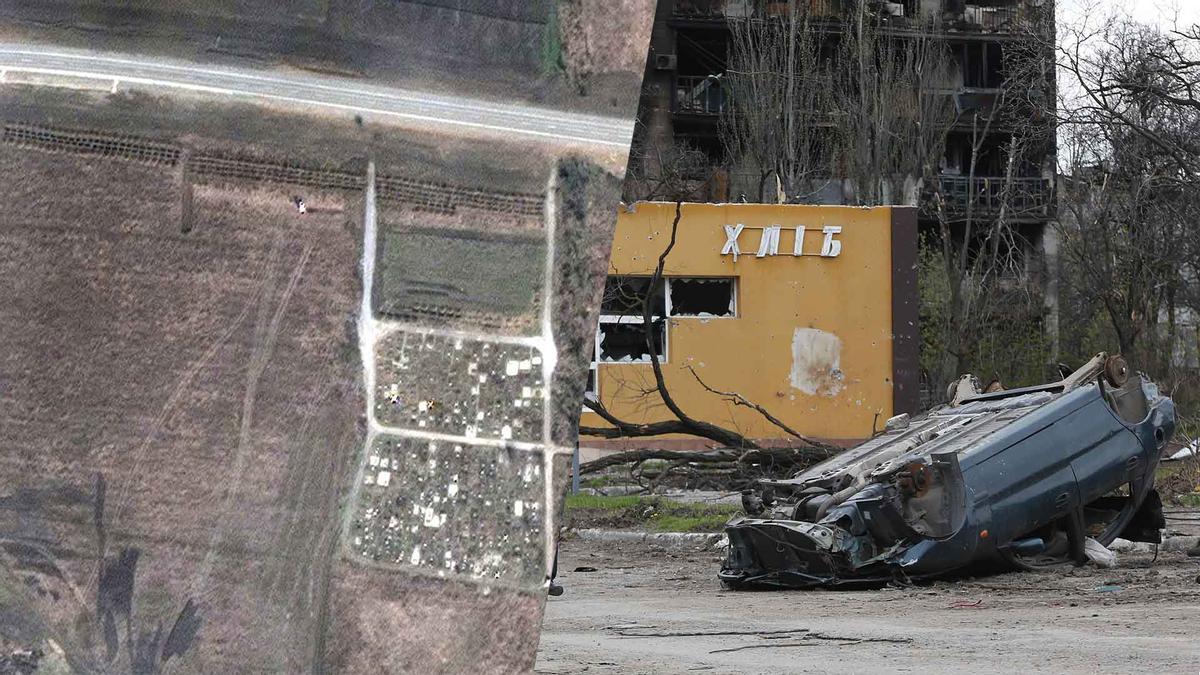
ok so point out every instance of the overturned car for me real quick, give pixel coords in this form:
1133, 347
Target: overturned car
1007, 479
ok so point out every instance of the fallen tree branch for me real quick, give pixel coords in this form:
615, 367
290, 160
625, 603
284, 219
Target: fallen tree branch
792, 457
737, 399
622, 429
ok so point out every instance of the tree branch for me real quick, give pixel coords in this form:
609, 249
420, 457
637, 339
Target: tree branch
737, 399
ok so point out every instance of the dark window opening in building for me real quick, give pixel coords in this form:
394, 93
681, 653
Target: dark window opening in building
701, 297
699, 81
981, 65
994, 75
626, 296
702, 52
624, 341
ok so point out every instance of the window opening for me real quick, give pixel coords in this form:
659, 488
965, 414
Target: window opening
621, 336
702, 297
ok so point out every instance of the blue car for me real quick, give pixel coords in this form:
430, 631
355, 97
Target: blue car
1019, 479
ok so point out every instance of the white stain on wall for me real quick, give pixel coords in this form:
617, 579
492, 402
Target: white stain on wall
817, 362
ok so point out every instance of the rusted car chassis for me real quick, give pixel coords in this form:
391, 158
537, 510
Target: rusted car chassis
1009, 479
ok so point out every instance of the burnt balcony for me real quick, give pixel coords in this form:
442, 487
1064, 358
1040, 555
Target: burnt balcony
718, 11
992, 19
969, 17
1019, 198
710, 9
699, 95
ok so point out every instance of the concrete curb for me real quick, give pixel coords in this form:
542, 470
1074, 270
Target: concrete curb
700, 539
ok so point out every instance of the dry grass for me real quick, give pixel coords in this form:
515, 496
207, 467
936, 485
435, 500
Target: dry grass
1179, 482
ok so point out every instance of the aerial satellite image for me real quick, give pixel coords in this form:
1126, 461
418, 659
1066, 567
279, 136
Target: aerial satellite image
296, 305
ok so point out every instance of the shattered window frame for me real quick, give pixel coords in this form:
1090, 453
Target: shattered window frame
625, 290
733, 297
658, 321
632, 315
625, 313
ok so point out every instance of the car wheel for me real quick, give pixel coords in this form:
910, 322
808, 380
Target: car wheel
1116, 371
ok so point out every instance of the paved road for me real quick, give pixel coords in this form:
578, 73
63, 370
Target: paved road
650, 609
343, 94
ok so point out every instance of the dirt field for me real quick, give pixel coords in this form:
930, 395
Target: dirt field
207, 123
177, 410
649, 609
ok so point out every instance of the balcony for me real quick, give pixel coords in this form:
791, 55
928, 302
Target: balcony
1026, 198
970, 18
710, 9
704, 10
699, 95
991, 19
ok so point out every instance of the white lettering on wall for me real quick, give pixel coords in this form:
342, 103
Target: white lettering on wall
768, 244
731, 244
831, 247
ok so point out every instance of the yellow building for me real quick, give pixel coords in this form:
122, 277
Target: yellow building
808, 311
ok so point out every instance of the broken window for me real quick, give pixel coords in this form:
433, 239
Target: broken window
981, 65
622, 336
701, 297
624, 340
626, 296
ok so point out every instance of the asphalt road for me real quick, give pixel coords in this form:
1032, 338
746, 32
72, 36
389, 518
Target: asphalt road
344, 94
642, 608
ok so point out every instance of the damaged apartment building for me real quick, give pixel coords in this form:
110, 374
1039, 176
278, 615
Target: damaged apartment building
993, 158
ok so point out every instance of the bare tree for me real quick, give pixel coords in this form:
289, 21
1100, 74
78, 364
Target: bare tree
1133, 130
666, 171
1137, 78
982, 250
779, 87
893, 106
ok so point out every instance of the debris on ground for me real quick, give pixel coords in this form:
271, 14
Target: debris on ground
1098, 554
1187, 452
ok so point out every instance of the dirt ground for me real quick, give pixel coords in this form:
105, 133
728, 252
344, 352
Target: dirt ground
650, 609
189, 399
207, 123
